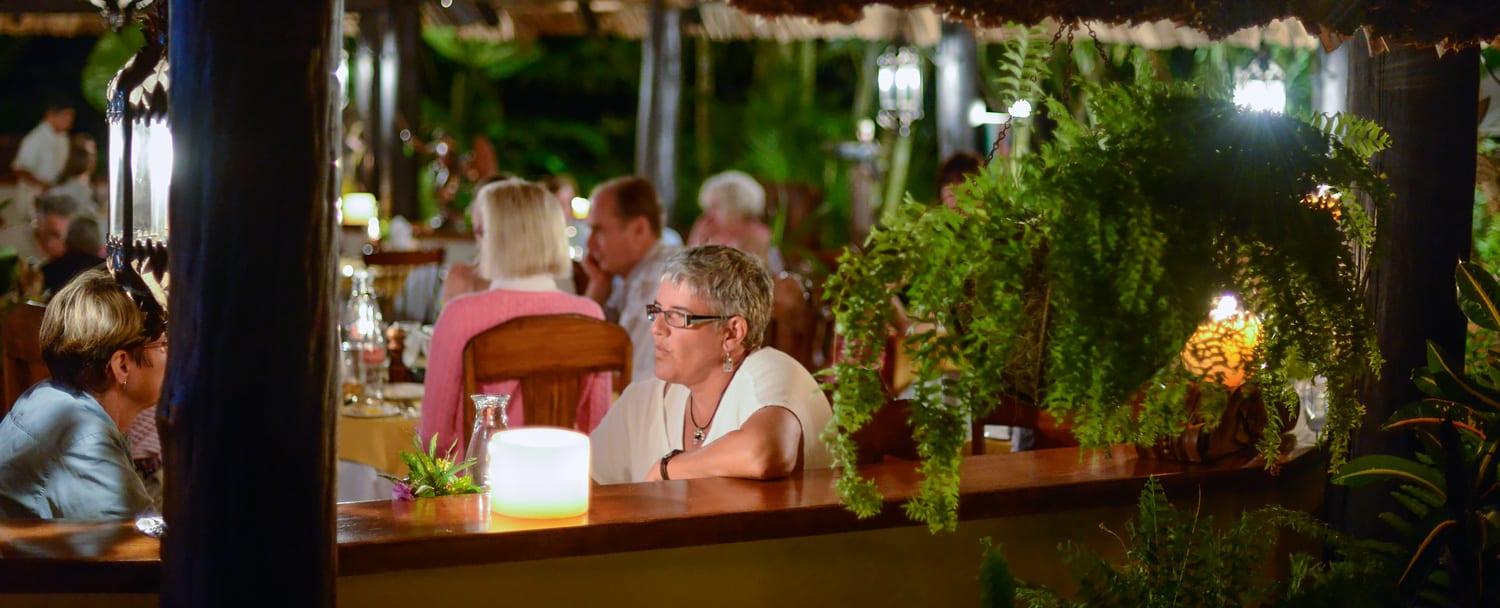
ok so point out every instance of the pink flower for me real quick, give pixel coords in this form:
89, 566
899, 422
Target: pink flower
401, 491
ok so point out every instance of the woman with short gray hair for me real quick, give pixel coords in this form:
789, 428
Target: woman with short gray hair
722, 404
733, 204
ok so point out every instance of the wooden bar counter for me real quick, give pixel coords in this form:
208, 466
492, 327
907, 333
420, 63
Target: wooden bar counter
1028, 502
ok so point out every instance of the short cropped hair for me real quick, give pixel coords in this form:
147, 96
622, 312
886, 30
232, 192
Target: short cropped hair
734, 283
523, 231
84, 235
88, 320
737, 191
634, 197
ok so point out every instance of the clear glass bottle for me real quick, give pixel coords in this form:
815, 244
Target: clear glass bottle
489, 419
362, 339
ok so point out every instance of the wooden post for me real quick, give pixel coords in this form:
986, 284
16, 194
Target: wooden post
365, 79
1429, 106
956, 89
247, 412
656, 114
400, 105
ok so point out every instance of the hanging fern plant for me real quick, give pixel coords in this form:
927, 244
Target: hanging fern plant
1074, 277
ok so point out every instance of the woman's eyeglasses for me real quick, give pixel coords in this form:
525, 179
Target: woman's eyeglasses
680, 319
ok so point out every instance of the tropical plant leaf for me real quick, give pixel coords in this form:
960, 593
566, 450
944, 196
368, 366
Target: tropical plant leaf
1454, 384
1375, 467
1478, 295
1432, 412
105, 60
1427, 542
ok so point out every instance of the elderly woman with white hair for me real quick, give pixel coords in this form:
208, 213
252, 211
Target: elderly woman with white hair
722, 404
733, 204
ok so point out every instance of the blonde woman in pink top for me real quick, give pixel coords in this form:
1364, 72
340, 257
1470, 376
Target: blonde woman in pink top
523, 249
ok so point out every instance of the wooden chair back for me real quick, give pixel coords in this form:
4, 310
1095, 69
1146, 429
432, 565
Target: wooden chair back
550, 355
887, 434
22, 346
389, 269
794, 320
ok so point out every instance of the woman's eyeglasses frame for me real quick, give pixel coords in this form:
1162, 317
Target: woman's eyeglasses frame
687, 320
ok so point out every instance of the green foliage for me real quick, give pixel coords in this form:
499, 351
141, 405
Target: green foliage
1074, 277
429, 475
1449, 494
997, 586
1176, 559
106, 59
1023, 67
1362, 136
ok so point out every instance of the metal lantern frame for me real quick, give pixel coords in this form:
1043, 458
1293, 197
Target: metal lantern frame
898, 80
140, 158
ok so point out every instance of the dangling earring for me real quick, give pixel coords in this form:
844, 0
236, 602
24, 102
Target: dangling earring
728, 363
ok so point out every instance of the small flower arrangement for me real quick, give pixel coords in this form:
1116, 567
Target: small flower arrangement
428, 475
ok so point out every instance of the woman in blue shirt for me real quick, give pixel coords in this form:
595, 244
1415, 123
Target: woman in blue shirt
63, 452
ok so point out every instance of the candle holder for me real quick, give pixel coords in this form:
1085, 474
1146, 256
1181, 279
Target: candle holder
539, 473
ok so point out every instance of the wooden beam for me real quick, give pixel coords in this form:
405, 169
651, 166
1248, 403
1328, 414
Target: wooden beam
956, 87
247, 412
1429, 105
16, 7
656, 114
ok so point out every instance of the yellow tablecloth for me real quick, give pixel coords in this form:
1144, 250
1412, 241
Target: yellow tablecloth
376, 442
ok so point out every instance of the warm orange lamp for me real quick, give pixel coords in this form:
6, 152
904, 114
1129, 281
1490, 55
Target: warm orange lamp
1222, 347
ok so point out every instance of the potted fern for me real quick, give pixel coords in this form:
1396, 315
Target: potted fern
1073, 277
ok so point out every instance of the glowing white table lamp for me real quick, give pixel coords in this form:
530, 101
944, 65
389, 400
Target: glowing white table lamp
539, 472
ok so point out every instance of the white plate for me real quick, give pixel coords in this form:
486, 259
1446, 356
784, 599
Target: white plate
403, 391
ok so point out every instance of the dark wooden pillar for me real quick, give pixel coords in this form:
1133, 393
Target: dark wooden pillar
656, 114
248, 418
956, 88
400, 105
1429, 106
365, 83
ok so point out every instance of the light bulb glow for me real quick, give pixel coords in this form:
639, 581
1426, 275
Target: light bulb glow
1225, 306
580, 207
1020, 109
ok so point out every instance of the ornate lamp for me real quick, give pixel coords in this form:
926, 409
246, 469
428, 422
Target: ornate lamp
1222, 347
140, 157
899, 79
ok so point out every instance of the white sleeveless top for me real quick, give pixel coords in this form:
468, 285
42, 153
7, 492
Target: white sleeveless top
646, 422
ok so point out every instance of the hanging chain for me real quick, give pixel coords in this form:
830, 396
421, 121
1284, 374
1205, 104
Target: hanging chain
999, 137
1098, 46
1005, 128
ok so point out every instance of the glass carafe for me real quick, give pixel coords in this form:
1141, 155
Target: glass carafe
363, 339
489, 419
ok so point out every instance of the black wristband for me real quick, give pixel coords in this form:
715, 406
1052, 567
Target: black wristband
664, 460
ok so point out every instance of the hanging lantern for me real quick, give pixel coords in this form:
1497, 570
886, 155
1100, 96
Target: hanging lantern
1222, 347
140, 156
1260, 87
899, 78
